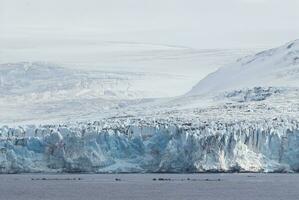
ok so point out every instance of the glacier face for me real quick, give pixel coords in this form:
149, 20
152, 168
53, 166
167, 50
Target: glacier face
152, 146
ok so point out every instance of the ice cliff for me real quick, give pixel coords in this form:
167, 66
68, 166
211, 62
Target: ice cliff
152, 146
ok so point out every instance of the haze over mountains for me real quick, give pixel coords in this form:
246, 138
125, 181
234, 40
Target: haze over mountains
98, 77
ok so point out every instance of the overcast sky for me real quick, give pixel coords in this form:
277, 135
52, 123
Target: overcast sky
194, 23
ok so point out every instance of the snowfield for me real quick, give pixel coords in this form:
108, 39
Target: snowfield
243, 117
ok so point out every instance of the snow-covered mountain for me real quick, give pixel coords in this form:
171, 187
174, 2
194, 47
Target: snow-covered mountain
39, 79
277, 67
36, 90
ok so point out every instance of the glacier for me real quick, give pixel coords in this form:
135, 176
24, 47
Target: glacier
161, 145
248, 123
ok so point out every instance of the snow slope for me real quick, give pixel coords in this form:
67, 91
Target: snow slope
275, 67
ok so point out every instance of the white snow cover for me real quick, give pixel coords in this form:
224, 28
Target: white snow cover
274, 67
244, 117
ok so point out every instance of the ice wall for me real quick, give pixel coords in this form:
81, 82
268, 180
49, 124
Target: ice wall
261, 146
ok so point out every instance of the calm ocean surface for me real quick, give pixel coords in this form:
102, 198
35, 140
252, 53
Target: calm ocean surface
149, 186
